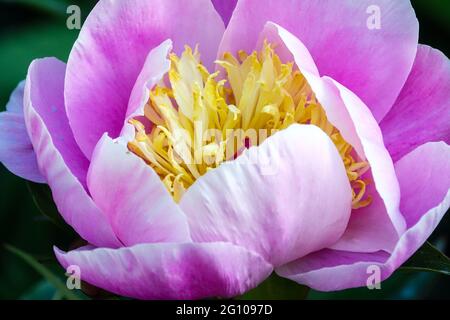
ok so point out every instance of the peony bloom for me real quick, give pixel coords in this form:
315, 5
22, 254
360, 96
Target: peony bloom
353, 172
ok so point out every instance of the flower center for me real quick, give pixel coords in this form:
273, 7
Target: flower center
198, 119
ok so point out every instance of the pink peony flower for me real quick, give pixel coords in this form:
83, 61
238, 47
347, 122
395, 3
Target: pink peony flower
358, 131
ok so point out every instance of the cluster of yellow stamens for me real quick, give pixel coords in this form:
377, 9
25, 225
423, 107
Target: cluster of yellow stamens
260, 94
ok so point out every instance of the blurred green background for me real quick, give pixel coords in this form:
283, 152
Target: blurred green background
37, 28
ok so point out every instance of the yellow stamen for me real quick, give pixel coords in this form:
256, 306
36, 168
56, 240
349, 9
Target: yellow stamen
260, 93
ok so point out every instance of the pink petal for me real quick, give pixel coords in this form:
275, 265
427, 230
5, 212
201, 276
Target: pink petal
369, 229
425, 200
58, 157
45, 83
111, 50
15, 103
372, 63
16, 151
133, 197
288, 47
170, 271
155, 67
274, 198
423, 174
369, 133
422, 111
225, 8
357, 125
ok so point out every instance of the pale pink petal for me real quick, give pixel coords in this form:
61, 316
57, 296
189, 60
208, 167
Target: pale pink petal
16, 151
170, 271
332, 270
274, 199
358, 127
155, 67
133, 197
425, 200
225, 8
422, 111
288, 47
369, 133
57, 153
111, 51
369, 228
373, 63
337, 112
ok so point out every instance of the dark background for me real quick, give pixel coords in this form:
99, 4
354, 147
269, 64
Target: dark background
32, 29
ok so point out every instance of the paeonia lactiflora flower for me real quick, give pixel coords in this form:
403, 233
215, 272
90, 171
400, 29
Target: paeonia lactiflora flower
349, 167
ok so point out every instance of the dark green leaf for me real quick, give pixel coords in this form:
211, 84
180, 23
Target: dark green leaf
60, 287
56, 7
42, 290
428, 258
277, 288
26, 43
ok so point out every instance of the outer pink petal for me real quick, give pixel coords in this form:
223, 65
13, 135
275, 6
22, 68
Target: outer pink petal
111, 50
16, 151
57, 154
45, 84
284, 199
330, 270
171, 271
422, 111
225, 8
372, 63
424, 176
137, 204
354, 120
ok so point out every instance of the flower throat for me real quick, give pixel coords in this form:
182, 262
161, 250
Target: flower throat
259, 94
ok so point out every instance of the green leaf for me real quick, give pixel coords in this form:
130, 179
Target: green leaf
27, 42
277, 288
56, 7
60, 287
42, 290
42, 198
428, 258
